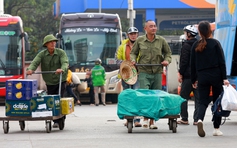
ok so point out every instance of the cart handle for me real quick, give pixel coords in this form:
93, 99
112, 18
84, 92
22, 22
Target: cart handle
48, 72
148, 64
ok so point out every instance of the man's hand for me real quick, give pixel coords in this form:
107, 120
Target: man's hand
58, 71
29, 72
133, 62
165, 63
195, 85
180, 78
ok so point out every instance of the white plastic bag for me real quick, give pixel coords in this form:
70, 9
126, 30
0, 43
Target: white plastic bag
75, 79
229, 100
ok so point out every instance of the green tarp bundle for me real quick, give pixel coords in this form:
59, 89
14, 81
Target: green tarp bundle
148, 103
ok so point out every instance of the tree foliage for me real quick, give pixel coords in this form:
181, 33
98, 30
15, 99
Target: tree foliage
38, 20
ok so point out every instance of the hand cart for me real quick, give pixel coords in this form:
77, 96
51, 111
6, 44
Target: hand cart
172, 119
22, 119
172, 122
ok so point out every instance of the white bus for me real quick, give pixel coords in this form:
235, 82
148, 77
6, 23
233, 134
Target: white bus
88, 36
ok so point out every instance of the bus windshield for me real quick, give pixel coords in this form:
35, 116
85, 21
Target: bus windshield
84, 45
11, 56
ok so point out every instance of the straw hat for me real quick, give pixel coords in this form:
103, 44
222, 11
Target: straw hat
128, 72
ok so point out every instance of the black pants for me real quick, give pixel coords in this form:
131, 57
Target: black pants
92, 94
208, 79
186, 89
54, 90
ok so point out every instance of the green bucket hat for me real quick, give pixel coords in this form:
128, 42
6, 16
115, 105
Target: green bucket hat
49, 38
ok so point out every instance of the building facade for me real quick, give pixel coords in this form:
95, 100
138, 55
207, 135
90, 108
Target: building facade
169, 14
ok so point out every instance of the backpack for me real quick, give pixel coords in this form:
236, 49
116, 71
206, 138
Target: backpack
217, 110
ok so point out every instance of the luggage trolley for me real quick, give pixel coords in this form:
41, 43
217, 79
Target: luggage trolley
172, 119
47, 119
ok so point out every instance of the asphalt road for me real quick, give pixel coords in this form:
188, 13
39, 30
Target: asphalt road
100, 127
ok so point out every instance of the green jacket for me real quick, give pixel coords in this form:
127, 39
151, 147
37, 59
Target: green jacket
59, 60
98, 75
148, 52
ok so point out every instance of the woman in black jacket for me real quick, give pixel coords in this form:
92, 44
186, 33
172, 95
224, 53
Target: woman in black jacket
208, 70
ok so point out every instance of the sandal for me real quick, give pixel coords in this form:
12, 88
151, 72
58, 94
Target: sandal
145, 124
182, 122
79, 103
153, 126
125, 124
137, 124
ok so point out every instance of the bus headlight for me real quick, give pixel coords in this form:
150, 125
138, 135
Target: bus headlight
114, 79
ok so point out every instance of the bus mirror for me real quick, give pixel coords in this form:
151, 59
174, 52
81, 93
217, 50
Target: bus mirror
27, 43
124, 35
59, 36
27, 46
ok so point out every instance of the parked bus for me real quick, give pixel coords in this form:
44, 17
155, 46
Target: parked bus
88, 36
225, 32
13, 44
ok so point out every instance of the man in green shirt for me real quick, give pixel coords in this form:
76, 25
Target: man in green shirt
98, 80
51, 59
150, 49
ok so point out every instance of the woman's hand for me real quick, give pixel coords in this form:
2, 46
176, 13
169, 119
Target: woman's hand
226, 82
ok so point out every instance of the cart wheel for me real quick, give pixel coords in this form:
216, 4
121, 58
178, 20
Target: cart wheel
61, 123
6, 127
129, 127
48, 126
22, 125
174, 126
170, 124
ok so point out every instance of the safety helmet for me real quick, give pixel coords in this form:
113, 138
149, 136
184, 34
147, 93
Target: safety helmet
98, 61
132, 29
191, 29
49, 38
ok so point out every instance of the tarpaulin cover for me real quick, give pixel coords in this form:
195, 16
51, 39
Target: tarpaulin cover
148, 103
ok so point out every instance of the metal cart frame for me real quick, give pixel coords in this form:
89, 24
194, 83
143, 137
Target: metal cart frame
48, 119
172, 119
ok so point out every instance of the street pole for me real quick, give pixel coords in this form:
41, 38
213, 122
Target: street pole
1, 6
99, 6
130, 11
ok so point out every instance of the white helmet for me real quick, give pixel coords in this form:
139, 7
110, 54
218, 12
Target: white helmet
132, 29
191, 29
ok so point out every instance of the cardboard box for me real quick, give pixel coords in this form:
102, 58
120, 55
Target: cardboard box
43, 106
17, 108
67, 105
21, 84
20, 94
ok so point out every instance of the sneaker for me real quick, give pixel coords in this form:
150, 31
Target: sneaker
195, 123
217, 132
104, 104
201, 132
96, 104
55, 125
153, 126
145, 124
